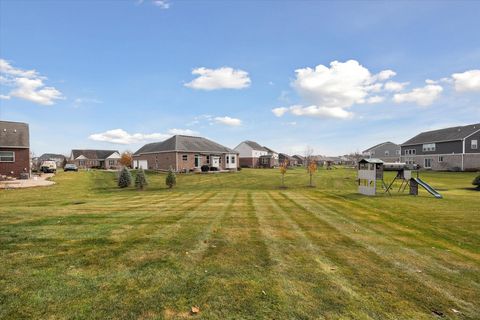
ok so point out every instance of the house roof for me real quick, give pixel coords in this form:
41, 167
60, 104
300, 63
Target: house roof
379, 145
284, 155
299, 157
447, 134
14, 134
254, 145
47, 156
269, 150
93, 154
186, 144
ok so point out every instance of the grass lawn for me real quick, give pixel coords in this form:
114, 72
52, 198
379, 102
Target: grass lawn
239, 247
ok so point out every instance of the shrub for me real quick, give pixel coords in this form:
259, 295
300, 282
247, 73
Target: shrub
213, 169
205, 168
140, 179
171, 179
125, 178
476, 182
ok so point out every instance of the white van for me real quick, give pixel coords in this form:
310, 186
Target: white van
48, 166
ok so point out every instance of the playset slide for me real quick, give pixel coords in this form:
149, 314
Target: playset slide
427, 187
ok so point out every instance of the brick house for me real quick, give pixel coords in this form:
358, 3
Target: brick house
185, 153
290, 161
253, 155
454, 148
14, 149
385, 151
102, 159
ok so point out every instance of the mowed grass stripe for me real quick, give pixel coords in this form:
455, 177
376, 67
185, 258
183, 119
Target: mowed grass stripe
435, 273
308, 281
367, 271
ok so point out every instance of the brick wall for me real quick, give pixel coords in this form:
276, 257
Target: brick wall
21, 164
163, 161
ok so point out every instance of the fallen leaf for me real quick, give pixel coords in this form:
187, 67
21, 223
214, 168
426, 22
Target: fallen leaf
195, 310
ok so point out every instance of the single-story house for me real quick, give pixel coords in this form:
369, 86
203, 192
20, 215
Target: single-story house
454, 148
185, 153
285, 158
300, 159
385, 151
14, 149
253, 155
100, 159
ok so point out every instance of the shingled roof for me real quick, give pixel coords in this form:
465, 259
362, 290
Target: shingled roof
14, 134
48, 156
93, 154
378, 145
183, 143
254, 145
447, 134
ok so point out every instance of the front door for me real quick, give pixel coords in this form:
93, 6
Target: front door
215, 162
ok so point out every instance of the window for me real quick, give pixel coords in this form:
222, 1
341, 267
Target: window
440, 158
111, 162
228, 158
387, 153
474, 144
429, 147
410, 151
81, 163
7, 156
208, 159
233, 159
428, 163
197, 161
184, 157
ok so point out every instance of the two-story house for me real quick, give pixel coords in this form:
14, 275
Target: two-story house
385, 151
454, 148
14, 149
253, 155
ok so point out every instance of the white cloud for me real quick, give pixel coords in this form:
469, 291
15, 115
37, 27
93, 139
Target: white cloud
120, 136
28, 85
424, 96
4, 97
221, 78
395, 86
228, 121
467, 81
331, 91
162, 4
320, 111
186, 132
280, 111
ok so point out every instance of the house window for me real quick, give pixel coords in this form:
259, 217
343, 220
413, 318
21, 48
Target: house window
233, 159
387, 153
208, 159
428, 163
81, 163
111, 162
197, 161
474, 144
440, 158
7, 156
184, 157
429, 147
410, 151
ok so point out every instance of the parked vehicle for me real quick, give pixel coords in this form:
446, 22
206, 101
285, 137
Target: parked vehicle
70, 167
48, 166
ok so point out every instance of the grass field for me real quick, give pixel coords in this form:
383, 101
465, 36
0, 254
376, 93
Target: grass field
238, 247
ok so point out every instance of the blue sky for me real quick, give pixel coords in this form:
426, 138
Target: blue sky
335, 76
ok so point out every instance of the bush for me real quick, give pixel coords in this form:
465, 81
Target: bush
476, 182
140, 179
239, 169
213, 169
125, 178
205, 168
171, 179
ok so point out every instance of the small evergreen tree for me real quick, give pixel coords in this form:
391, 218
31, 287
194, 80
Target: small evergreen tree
141, 179
125, 178
476, 182
171, 179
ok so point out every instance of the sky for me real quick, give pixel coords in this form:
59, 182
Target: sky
337, 77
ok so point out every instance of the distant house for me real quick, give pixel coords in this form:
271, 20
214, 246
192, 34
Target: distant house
385, 151
14, 149
285, 158
58, 158
101, 159
454, 148
185, 153
253, 155
300, 159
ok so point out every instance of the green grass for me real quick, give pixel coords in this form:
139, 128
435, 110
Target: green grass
239, 247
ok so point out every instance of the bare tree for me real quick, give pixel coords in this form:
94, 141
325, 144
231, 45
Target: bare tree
308, 156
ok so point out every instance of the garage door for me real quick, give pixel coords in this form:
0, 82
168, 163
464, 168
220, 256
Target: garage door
141, 164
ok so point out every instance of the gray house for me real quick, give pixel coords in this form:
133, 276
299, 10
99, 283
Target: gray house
454, 148
385, 151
